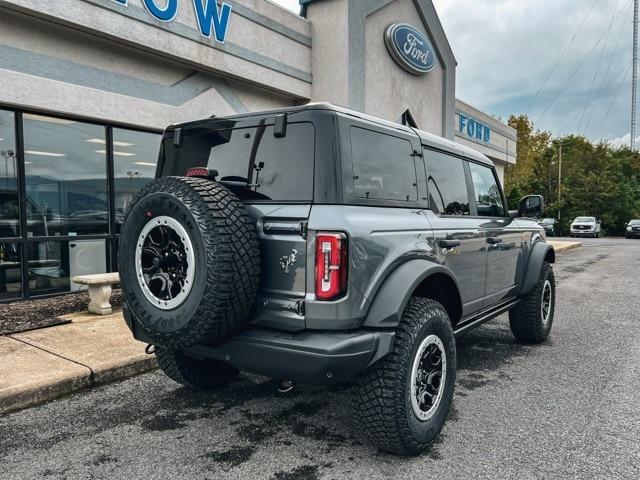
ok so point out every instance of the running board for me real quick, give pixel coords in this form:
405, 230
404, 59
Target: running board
484, 317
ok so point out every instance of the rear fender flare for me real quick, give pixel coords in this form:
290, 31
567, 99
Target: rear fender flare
539, 252
393, 296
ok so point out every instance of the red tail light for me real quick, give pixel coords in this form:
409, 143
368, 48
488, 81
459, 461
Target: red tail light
331, 265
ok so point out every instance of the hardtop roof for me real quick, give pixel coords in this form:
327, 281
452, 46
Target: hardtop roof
428, 139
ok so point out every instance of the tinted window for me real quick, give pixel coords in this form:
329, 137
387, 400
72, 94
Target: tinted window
487, 191
66, 176
447, 184
253, 161
383, 166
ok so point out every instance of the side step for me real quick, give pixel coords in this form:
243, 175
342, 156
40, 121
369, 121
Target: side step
484, 317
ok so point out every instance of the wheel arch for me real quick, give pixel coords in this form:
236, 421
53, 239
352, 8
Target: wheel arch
540, 253
416, 277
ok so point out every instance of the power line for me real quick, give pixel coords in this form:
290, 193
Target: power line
566, 48
613, 100
575, 72
595, 74
604, 78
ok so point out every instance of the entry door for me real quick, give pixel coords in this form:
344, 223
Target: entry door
502, 235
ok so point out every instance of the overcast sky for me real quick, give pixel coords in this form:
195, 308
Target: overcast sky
567, 64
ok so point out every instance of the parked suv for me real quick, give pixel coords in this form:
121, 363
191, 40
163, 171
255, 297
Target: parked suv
633, 229
319, 245
585, 227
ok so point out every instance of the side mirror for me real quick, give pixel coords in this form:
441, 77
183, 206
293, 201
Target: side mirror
531, 206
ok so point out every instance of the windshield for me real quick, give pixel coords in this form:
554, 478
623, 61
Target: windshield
548, 221
634, 222
585, 219
253, 160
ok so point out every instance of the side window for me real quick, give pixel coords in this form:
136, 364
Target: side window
487, 191
383, 166
447, 184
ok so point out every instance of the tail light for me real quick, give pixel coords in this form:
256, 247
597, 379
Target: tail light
331, 265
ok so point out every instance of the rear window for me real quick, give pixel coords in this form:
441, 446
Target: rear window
252, 160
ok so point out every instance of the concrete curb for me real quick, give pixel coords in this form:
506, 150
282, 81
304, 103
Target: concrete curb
42, 365
561, 247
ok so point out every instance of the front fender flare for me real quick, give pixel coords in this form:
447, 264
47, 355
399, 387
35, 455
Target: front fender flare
537, 255
393, 296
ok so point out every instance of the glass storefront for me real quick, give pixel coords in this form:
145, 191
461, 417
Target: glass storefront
65, 185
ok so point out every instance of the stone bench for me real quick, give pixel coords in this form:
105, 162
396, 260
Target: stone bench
99, 290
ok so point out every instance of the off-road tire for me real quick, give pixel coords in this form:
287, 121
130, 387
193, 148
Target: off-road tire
526, 319
227, 261
381, 396
196, 373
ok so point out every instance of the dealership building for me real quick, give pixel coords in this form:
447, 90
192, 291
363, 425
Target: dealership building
87, 86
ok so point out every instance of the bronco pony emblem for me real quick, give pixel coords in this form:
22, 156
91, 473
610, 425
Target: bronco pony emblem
287, 260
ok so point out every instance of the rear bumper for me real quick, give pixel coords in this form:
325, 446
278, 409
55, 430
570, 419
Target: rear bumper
309, 357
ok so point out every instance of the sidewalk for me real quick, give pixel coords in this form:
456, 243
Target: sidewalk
563, 246
40, 365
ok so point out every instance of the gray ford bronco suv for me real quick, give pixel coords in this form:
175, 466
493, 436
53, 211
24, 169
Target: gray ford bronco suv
316, 244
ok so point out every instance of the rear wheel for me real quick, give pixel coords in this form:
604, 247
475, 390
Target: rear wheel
532, 318
403, 400
196, 373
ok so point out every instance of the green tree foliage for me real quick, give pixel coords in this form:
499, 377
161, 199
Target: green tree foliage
597, 179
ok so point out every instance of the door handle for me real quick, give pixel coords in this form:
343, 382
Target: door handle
494, 240
449, 243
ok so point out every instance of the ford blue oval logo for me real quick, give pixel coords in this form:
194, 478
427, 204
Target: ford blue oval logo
410, 48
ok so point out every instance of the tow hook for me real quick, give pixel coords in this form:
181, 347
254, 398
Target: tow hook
285, 386
150, 349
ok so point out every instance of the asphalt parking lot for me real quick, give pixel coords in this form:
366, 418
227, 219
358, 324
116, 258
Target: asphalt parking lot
565, 409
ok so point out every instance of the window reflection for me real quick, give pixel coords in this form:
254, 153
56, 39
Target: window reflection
66, 177
135, 156
9, 204
10, 272
447, 184
488, 196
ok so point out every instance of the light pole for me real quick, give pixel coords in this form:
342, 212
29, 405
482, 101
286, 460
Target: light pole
559, 176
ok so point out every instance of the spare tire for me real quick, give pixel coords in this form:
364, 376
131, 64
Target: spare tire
189, 261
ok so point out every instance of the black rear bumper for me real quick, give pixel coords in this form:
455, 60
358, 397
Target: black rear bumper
311, 357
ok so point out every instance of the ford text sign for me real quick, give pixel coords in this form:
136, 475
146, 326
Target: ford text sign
409, 48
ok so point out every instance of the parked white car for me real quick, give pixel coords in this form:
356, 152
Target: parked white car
585, 227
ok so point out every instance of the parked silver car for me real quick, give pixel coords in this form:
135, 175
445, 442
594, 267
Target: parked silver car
633, 229
585, 227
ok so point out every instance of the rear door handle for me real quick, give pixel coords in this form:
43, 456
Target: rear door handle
494, 240
449, 243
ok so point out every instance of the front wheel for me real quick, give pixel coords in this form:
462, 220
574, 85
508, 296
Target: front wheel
403, 400
532, 318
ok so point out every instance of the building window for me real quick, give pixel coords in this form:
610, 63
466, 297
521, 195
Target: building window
65, 177
10, 271
9, 204
487, 191
67, 205
383, 166
135, 156
447, 184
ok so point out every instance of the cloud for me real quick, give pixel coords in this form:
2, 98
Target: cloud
623, 141
506, 48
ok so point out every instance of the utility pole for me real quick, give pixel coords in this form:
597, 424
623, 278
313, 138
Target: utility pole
634, 85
